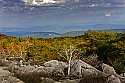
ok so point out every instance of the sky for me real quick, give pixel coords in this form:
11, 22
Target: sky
15, 13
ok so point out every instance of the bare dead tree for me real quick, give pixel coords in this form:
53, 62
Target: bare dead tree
68, 55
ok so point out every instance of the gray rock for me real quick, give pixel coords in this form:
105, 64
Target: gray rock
44, 71
70, 81
56, 68
13, 66
108, 69
58, 72
113, 79
6, 77
51, 63
23, 72
81, 69
122, 80
46, 80
12, 79
89, 72
57, 82
4, 73
123, 74
26, 69
63, 64
4, 68
53, 69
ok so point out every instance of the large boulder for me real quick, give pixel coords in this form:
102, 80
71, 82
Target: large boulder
63, 64
13, 66
57, 68
51, 69
55, 63
46, 80
89, 72
44, 71
51, 63
24, 73
113, 76
113, 79
26, 69
108, 69
12, 79
58, 72
82, 69
6, 77
70, 81
4, 73
123, 74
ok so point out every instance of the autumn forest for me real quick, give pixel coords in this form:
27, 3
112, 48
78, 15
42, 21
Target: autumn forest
94, 47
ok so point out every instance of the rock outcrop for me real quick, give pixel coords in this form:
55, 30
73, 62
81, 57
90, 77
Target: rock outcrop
108, 69
46, 80
51, 69
43, 71
7, 77
52, 63
56, 72
113, 79
113, 76
80, 69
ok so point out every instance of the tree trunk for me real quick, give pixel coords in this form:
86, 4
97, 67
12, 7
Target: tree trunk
69, 64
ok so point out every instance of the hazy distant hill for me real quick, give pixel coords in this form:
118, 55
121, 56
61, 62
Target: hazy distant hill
53, 34
62, 28
73, 33
79, 33
117, 30
41, 34
33, 34
58, 30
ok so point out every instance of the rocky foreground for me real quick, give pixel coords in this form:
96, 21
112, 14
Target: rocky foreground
57, 72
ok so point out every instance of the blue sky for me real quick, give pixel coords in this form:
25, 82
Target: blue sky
61, 15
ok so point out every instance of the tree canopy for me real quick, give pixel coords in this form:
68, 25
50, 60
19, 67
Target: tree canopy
109, 47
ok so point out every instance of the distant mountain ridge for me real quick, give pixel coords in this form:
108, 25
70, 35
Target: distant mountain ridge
73, 33
79, 33
54, 34
62, 28
47, 31
41, 34
32, 34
